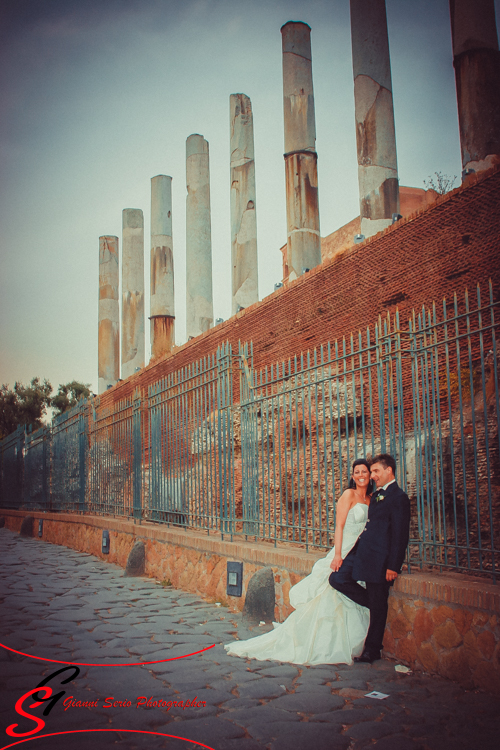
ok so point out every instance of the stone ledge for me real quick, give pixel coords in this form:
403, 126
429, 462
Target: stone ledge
298, 561
449, 588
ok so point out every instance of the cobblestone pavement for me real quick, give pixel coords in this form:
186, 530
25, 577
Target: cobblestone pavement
70, 606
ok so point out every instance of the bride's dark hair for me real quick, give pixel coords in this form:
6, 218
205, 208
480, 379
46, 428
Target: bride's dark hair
352, 483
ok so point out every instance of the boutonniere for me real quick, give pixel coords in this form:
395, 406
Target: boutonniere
379, 497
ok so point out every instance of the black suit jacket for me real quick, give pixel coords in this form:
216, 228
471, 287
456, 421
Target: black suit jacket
382, 544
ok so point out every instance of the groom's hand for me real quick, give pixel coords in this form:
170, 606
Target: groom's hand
390, 575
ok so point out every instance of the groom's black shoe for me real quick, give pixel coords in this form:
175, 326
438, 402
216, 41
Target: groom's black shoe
368, 657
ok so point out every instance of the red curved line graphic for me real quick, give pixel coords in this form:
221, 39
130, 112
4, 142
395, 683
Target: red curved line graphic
76, 731
83, 664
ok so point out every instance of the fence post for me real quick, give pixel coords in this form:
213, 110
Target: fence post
137, 453
401, 428
249, 457
20, 459
47, 438
225, 449
380, 382
82, 453
27, 430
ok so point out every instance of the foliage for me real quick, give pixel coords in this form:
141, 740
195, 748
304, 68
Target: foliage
28, 404
69, 395
23, 405
442, 183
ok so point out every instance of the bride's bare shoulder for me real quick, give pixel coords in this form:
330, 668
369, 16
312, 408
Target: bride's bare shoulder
348, 497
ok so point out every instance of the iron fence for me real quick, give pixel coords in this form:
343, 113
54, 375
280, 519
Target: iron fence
305, 420
456, 420
428, 394
12, 469
36, 485
115, 458
191, 445
227, 448
68, 460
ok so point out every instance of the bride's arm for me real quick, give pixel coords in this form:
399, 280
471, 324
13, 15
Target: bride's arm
343, 508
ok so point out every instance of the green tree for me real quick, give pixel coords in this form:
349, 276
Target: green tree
23, 405
69, 395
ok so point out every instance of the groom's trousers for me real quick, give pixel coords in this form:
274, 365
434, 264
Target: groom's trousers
374, 597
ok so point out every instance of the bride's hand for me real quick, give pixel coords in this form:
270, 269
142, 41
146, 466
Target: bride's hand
336, 563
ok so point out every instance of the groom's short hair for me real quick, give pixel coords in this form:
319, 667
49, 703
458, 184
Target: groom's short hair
386, 460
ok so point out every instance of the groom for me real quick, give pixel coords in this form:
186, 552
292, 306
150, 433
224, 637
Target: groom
378, 555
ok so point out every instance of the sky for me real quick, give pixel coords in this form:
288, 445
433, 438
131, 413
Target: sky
98, 96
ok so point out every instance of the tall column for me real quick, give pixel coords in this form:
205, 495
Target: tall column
109, 314
133, 350
162, 309
374, 111
245, 285
476, 59
301, 159
199, 299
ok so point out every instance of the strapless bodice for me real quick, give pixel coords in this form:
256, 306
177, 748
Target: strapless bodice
358, 514
354, 525
315, 583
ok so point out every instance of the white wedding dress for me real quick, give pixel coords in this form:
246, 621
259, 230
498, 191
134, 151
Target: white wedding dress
326, 627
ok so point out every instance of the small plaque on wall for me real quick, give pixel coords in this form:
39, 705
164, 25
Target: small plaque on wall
234, 578
105, 542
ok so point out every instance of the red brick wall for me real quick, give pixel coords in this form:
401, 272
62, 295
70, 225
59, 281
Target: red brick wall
450, 246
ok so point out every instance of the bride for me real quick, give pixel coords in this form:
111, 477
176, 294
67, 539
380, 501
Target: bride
326, 627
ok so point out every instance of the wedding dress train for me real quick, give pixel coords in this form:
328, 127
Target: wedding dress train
326, 627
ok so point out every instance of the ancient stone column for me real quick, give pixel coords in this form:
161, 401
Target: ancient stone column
476, 59
109, 314
133, 348
374, 112
301, 168
162, 309
243, 217
199, 299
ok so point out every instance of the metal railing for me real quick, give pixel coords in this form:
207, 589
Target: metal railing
224, 447
456, 435
115, 458
191, 447
36, 470
12, 469
68, 459
304, 421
